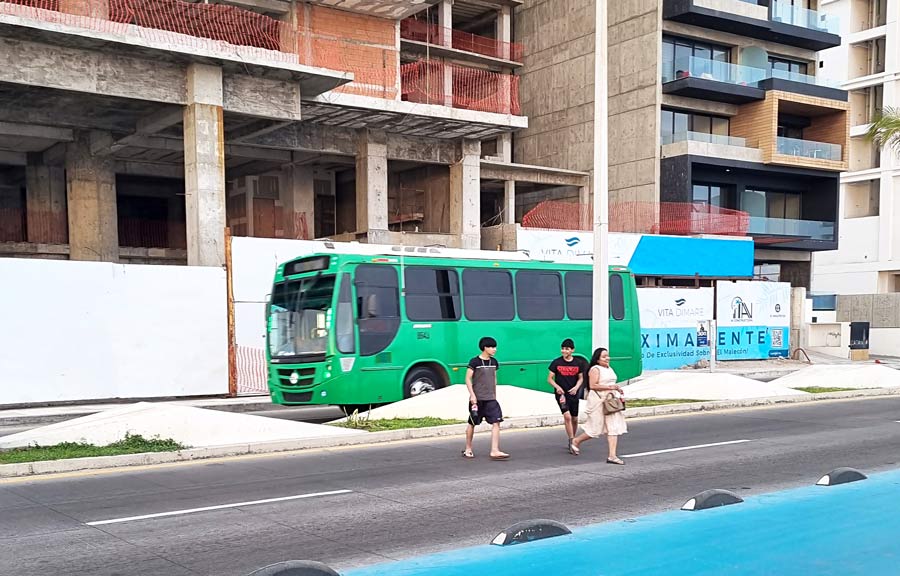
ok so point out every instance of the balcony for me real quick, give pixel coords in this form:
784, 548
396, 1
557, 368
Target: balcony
434, 82
737, 84
809, 149
786, 227
712, 80
780, 22
449, 43
709, 145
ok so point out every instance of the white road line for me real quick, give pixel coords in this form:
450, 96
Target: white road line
667, 450
219, 507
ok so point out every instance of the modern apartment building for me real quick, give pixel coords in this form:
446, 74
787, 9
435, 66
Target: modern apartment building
867, 64
721, 120
139, 130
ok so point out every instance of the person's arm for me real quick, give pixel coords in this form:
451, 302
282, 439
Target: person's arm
551, 379
574, 391
469, 373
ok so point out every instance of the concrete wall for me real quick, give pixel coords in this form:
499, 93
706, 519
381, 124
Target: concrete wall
95, 330
635, 47
557, 83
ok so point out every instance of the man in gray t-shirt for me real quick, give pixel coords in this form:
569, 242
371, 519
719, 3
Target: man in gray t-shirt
481, 381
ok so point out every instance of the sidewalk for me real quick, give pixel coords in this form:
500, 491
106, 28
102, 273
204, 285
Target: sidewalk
53, 414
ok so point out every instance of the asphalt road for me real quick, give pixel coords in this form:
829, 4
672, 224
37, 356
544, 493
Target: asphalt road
416, 497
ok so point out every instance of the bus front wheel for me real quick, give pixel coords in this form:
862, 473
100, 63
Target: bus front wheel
421, 381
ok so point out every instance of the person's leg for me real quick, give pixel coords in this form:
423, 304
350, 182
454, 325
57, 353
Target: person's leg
576, 443
613, 444
570, 430
495, 442
470, 435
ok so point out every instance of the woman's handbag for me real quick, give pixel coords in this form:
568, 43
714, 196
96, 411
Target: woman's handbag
613, 404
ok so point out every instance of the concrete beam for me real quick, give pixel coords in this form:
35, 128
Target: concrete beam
534, 174
34, 131
263, 6
117, 75
255, 129
137, 168
12, 158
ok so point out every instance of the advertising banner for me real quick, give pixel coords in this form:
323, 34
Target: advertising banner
754, 320
574, 244
674, 326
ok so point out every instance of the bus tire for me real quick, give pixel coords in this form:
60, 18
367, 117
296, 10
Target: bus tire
421, 380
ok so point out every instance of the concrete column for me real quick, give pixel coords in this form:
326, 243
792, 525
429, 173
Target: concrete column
584, 199
45, 202
297, 194
372, 186
504, 147
509, 202
91, 201
504, 30
445, 26
465, 195
204, 167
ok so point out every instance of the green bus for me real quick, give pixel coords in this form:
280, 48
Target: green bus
357, 330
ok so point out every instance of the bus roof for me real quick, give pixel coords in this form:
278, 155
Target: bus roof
484, 261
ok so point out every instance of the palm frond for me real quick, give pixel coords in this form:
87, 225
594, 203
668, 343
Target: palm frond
885, 129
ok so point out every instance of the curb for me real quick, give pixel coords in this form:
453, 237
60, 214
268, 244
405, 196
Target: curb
100, 462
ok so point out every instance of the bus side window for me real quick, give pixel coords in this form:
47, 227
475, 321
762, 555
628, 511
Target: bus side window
344, 333
378, 307
579, 287
616, 297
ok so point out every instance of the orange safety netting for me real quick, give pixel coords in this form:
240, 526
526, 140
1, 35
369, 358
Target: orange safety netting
677, 218
428, 81
38, 226
420, 31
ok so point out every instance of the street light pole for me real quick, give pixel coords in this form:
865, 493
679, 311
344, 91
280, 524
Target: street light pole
600, 180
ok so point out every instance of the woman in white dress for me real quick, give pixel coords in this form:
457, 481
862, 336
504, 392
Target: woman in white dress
601, 381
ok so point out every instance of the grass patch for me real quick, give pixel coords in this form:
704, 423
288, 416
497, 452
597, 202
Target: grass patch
394, 423
132, 444
821, 390
644, 402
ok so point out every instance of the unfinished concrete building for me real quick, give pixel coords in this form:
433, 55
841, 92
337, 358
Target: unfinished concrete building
139, 131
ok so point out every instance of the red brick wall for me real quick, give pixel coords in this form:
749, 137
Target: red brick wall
364, 45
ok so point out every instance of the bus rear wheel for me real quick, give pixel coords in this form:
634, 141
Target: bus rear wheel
421, 381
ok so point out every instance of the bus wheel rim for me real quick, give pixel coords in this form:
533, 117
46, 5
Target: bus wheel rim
421, 386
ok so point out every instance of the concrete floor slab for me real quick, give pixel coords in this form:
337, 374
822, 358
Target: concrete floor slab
194, 427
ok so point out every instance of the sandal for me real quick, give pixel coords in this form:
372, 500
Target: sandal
573, 449
468, 454
499, 457
617, 461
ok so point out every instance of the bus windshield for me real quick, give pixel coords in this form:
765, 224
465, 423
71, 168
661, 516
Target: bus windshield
299, 315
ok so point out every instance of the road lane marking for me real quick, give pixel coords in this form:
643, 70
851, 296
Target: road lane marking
698, 446
219, 507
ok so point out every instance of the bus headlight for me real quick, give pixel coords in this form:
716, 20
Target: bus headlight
295, 377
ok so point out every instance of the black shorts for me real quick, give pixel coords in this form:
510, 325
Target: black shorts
570, 405
488, 410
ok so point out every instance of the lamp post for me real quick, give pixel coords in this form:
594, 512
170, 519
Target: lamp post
600, 180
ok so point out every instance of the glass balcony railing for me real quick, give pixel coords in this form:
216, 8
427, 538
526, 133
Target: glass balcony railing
804, 78
703, 137
694, 67
809, 149
797, 16
810, 229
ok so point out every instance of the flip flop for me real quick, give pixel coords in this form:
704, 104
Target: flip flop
468, 454
501, 457
617, 461
573, 450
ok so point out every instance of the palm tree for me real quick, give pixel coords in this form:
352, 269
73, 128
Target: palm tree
885, 130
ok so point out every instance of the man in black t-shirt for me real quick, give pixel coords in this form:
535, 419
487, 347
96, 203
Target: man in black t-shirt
566, 377
481, 381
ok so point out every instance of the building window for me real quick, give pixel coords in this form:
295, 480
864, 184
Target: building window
784, 68
769, 204
432, 294
616, 297
787, 131
709, 194
683, 57
675, 125
539, 295
488, 295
